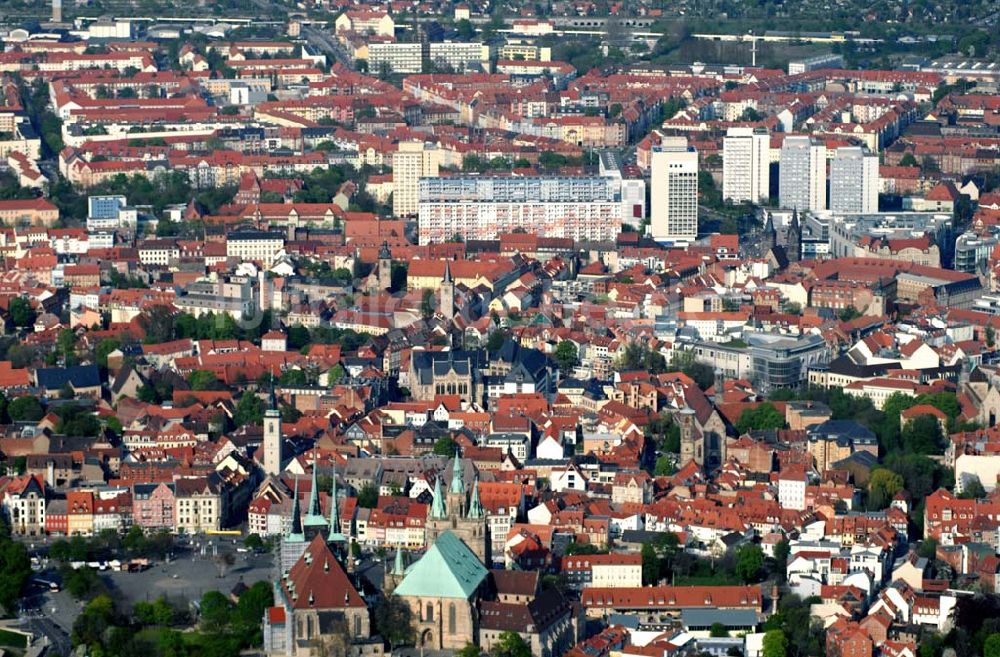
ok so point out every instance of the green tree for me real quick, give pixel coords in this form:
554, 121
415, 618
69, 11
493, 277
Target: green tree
664, 466
158, 325
566, 356
83, 583
135, 540
250, 609
718, 630
103, 348
672, 439
293, 377
991, 647
702, 374
204, 380
470, 650
298, 337
749, 562
249, 410
445, 446
78, 549
21, 312
25, 409
928, 550
650, 565
495, 341
781, 551
289, 413
427, 304
90, 626
922, 435
171, 644
908, 160
15, 569
394, 621
368, 496
764, 416
849, 313
66, 344
335, 374
582, 548
466, 32
510, 644
160, 612
214, 610
882, 487
637, 356
991, 337
775, 644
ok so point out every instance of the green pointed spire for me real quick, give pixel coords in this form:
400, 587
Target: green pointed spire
314, 515
457, 486
397, 566
437, 506
335, 533
334, 505
475, 505
295, 534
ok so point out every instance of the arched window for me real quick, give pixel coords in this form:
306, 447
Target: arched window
429, 616
451, 618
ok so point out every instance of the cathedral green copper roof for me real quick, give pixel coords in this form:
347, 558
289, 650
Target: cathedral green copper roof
449, 569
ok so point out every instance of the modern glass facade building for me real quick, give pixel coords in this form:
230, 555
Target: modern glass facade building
781, 361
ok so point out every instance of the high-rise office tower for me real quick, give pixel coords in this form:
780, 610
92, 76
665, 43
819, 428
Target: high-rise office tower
746, 166
674, 191
802, 174
854, 180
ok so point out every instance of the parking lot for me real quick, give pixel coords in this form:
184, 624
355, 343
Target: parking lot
194, 568
190, 575
181, 579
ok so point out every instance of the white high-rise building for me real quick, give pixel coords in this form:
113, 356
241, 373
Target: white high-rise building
854, 180
802, 174
582, 208
414, 160
674, 191
746, 166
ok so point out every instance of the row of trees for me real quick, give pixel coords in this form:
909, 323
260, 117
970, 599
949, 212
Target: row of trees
15, 569
161, 324
108, 544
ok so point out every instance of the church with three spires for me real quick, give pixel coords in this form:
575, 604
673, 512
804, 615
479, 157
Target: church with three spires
316, 599
444, 586
453, 599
